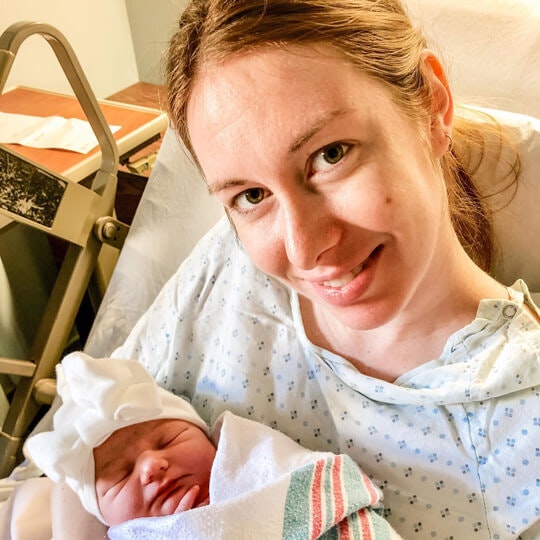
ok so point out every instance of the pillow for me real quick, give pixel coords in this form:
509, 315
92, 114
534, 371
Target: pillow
174, 212
516, 211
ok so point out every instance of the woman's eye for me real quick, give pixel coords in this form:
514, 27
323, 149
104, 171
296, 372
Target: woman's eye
327, 157
333, 154
249, 198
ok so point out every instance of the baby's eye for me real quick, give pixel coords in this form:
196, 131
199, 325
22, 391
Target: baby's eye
121, 478
328, 156
249, 198
167, 441
112, 483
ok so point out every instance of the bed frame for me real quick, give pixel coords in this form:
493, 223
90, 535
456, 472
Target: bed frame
73, 213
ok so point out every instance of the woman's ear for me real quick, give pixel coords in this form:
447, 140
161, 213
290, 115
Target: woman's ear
442, 106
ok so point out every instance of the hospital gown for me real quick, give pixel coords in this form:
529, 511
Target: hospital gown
453, 444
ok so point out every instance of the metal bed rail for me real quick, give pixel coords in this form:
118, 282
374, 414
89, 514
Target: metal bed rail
81, 216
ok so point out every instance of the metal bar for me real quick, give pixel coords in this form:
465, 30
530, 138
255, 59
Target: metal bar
80, 260
10, 42
13, 366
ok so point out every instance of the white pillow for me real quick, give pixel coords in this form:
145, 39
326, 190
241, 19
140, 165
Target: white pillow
517, 218
175, 211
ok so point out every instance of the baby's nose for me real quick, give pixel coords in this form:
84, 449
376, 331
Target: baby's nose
152, 467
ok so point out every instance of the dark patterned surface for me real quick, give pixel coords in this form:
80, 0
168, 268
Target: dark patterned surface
27, 190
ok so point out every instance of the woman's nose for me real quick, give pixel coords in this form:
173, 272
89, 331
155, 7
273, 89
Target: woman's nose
309, 232
152, 467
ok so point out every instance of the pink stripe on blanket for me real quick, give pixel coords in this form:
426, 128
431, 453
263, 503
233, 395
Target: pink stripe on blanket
344, 532
339, 504
374, 496
365, 524
316, 500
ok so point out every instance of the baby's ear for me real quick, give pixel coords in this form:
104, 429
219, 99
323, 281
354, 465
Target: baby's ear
442, 104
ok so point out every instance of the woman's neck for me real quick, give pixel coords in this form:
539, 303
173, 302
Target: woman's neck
419, 331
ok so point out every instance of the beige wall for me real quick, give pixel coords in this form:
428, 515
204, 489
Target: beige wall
151, 29
98, 31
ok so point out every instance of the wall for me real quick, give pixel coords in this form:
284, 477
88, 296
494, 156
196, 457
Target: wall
151, 30
491, 49
98, 31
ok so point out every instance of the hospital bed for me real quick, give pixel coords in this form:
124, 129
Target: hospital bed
83, 218
492, 50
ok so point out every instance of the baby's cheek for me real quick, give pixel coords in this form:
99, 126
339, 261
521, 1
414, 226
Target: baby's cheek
117, 508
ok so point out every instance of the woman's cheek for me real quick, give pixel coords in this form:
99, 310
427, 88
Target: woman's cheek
264, 247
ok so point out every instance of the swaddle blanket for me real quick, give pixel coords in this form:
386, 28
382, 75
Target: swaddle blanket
265, 486
99, 396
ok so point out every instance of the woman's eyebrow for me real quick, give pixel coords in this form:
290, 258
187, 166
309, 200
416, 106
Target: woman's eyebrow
320, 123
296, 145
225, 184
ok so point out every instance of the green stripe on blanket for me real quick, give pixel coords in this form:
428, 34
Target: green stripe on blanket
326, 499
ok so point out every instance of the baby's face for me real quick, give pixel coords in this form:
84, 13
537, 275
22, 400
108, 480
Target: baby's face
154, 468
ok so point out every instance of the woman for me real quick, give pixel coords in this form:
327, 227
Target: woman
358, 314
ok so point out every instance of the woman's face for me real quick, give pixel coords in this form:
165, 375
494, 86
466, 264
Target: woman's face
330, 187
154, 468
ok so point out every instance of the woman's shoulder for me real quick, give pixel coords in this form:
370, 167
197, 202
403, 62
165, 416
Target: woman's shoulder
219, 251
217, 285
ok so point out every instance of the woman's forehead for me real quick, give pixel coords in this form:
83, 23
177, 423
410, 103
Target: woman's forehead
272, 82
276, 97
292, 62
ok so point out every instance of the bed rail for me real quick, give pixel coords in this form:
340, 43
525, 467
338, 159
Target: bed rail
78, 215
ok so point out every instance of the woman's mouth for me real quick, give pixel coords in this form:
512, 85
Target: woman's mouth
344, 280
349, 287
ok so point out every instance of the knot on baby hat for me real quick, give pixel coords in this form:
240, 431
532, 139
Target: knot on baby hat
99, 396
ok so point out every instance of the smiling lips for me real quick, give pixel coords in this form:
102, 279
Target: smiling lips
343, 281
340, 282
350, 287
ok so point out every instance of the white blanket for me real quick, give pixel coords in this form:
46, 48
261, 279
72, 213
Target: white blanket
265, 486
